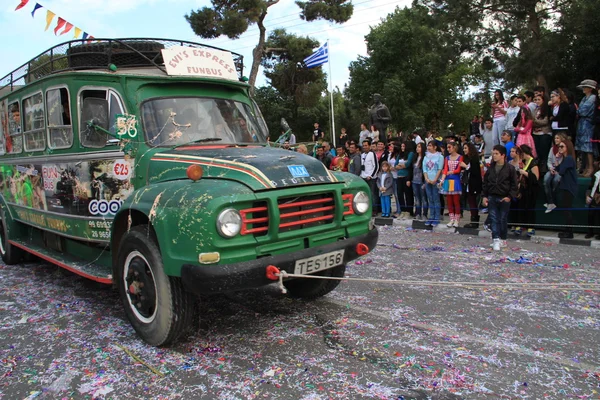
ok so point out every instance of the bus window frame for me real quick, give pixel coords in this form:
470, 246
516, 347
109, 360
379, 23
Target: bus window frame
10, 102
109, 91
48, 127
43, 129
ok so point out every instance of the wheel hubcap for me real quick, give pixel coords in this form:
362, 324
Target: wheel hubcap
138, 280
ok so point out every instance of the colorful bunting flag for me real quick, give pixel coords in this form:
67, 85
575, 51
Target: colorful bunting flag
49, 17
37, 6
68, 27
22, 4
59, 24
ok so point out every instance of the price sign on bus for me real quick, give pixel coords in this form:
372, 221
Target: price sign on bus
122, 170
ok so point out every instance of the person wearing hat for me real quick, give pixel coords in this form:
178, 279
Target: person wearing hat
586, 124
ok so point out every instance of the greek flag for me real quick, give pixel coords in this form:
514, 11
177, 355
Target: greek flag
319, 57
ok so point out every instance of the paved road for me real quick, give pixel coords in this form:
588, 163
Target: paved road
64, 337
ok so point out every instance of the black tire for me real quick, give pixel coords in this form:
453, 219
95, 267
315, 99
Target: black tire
11, 255
163, 311
311, 289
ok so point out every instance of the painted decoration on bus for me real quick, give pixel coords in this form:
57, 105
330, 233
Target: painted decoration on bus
22, 185
88, 188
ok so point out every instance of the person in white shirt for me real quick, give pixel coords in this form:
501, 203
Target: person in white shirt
364, 133
369, 169
417, 138
511, 114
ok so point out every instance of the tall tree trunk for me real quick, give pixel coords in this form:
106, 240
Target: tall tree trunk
533, 23
258, 51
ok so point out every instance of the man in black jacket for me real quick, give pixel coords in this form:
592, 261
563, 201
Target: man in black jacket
499, 187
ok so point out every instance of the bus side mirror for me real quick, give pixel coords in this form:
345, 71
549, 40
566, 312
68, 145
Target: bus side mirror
94, 122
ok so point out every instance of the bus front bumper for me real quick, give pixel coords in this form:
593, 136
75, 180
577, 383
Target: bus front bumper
207, 279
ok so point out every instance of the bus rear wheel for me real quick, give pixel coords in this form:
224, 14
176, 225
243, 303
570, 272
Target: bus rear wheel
10, 254
158, 307
311, 289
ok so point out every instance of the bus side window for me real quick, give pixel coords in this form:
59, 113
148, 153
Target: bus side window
34, 125
60, 131
94, 139
14, 142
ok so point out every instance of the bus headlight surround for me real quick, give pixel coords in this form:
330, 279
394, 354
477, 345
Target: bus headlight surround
360, 203
229, 223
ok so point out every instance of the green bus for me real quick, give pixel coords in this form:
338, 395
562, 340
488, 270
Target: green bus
144, 164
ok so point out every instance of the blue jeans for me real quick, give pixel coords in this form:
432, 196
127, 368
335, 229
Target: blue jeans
386, 205
433, 198
550, 186
420, 199
497, 128
498, 212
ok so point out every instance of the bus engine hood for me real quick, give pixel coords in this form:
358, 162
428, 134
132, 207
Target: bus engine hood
260, 168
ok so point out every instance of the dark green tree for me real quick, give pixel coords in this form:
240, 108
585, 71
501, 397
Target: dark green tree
517, 35
416, 64
233, 18
283, 68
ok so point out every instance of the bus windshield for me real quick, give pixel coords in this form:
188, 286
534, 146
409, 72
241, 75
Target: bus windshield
177, 121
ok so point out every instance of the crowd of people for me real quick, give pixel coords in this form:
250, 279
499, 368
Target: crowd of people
529, 143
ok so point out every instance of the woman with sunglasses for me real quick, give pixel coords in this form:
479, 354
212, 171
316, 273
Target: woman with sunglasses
528, 177
559, 115
567, 187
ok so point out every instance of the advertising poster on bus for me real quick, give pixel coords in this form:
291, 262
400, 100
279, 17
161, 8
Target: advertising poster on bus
89, 188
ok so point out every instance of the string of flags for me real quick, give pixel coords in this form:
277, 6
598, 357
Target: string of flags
62, 25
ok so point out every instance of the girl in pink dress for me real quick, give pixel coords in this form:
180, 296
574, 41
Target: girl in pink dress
524, 130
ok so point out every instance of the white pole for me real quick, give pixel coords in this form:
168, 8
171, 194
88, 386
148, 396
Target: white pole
333, 132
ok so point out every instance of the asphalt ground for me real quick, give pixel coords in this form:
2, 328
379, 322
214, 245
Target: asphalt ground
63, 337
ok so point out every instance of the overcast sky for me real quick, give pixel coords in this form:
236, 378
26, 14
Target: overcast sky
23, 37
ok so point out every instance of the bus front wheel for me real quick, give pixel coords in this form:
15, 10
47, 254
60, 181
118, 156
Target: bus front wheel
10, 254
158, 307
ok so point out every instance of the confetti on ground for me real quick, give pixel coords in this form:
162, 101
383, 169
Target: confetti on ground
64, 337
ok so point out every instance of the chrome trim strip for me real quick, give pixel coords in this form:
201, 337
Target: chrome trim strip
59, 214
64, 158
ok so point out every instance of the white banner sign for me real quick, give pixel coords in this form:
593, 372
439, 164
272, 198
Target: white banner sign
189, 61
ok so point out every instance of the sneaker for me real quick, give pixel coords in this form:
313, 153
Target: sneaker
450, 224
428, 222
435, 223
546, 205
503, 244
530, 232
550, 207
517, 231
496, 245
487, 227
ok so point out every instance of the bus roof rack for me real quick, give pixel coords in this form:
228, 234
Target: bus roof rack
99, 54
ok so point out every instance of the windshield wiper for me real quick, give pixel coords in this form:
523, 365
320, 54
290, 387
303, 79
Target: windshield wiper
207, 140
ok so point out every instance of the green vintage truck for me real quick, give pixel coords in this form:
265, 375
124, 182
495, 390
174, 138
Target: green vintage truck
144, 163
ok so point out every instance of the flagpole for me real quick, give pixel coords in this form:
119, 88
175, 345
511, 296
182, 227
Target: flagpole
333, 133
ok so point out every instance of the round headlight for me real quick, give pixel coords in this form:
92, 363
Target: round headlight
360, 202
229, 223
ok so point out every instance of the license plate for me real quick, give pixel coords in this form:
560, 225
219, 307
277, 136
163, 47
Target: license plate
319, 263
